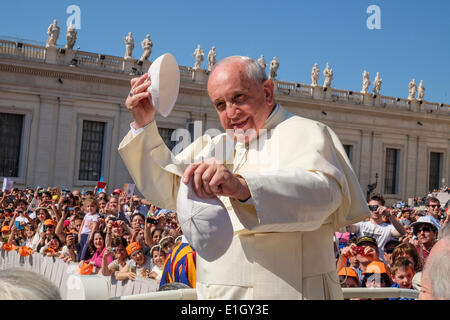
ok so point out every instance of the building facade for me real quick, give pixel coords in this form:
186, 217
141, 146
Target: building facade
62, 117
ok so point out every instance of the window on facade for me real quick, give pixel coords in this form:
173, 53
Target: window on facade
391, 171
435, 170
10, 143
91, 154
349, 151
166, 135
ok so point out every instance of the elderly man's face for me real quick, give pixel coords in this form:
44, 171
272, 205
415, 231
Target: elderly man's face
241, 103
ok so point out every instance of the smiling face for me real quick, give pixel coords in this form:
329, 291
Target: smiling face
98, 241
158, 258
241, 103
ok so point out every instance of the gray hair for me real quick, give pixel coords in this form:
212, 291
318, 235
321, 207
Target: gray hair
17, 284
438, 271
253, 69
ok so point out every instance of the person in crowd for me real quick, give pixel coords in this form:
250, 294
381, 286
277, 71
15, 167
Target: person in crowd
88, 226
402, 274
376, 228
388, 249
97, 249
42, 215
47, 234
426, 231
348, 278
409, 251
119, 251
52, 246
158, 257
167, 244
139, 266
435, 282
376, 275
433, 207
180, 266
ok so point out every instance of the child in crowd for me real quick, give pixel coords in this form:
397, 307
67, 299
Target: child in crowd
402, 274
89, 224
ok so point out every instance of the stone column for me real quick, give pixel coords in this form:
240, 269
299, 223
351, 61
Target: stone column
43, 141
65, 144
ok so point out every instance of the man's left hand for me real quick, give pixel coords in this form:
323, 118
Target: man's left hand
212, 178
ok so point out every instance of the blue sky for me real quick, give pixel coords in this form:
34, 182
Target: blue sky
413, 42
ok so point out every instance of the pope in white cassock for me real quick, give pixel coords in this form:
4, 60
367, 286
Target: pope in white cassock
287, 188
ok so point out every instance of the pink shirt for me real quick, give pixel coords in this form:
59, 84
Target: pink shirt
98, 257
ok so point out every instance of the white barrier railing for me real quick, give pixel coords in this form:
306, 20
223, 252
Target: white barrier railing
72, 285
379, 293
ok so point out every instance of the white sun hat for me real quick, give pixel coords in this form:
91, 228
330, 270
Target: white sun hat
165, 76
205, 223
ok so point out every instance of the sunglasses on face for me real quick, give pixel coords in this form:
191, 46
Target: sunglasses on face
373, 207
435, 206
424, 229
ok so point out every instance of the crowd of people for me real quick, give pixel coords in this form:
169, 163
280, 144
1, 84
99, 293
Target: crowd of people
391, 247
112, 234
127, 237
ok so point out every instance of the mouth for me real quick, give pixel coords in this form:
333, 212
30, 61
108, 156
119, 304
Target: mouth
240, 124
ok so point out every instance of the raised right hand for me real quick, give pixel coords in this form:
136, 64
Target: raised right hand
138, 103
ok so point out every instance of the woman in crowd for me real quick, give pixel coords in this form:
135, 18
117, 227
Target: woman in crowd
97, 249
119, 251
41, 215
139, 266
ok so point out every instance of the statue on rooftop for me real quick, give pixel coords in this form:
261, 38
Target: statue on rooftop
421, 92
147, 45
274, 65
366, 82
315, 75
53, 34
211, 58
71, 36
377, 84
262, 62
129, 44
412, 89
199, 57
328, 74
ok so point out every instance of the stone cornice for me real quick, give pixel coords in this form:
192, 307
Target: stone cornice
64, 72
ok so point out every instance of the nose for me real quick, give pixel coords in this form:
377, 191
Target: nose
232, 111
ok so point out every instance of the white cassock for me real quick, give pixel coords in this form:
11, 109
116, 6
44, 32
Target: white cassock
303, 189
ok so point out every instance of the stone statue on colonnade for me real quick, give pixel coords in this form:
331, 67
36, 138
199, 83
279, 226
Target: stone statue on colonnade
366, 82
129, 44
315, 75
328, 74
412, 89
211, 58
199, 57
421, 92
274, 65
53, 34
147, 45
262, 62
71, 36
377, 84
